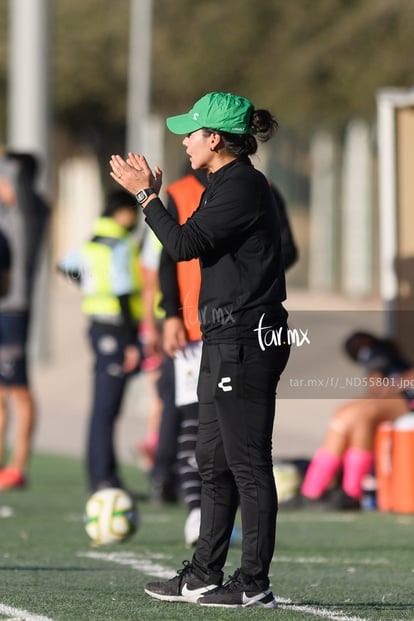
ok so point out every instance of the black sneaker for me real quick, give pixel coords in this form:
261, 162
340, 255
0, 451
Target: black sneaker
235, 593
186, 586
163, 492
340, 501
307, 504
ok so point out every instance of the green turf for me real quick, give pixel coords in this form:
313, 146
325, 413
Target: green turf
331, 566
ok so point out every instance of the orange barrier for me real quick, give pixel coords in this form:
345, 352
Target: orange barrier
394, 465
383, 465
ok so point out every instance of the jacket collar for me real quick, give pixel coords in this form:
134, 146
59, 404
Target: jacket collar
239, 161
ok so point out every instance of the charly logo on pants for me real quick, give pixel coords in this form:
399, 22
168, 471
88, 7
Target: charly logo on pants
225, 384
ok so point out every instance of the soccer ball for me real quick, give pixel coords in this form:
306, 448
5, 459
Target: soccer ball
288, 480
111, 515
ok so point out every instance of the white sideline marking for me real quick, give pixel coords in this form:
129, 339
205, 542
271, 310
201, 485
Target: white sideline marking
140, 563
318, 612
322, 559
17, 614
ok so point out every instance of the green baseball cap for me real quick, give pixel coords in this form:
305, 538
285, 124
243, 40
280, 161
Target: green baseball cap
221, 111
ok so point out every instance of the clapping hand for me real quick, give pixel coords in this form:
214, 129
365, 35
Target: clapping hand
134, 173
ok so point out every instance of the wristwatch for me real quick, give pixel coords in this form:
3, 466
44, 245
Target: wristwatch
142, 195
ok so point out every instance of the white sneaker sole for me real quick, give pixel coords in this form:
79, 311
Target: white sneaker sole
189, 597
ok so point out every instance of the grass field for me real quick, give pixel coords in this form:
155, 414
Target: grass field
348, 567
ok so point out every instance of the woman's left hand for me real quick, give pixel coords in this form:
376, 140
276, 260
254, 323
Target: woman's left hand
134, 174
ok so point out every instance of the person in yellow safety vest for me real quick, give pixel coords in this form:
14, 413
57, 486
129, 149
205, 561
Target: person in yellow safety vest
107, 268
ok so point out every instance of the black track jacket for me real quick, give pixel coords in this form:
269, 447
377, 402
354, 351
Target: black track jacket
235, 232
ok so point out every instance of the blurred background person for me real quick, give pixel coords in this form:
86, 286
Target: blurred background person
349, 441
5, 262
108, 271
24, 214
180, 286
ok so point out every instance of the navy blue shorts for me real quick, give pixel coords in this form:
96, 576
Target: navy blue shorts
14, 328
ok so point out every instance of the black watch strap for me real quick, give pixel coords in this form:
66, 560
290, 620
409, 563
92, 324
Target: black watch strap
142, 195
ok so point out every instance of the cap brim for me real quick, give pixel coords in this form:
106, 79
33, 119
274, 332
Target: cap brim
182, 124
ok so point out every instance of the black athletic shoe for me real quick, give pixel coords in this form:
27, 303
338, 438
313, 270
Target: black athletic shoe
304, 503
186, 586
338, 500
236, 593
163, 492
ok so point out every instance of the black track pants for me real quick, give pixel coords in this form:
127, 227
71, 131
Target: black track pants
237, 392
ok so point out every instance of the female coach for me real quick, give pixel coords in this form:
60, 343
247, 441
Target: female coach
235, 232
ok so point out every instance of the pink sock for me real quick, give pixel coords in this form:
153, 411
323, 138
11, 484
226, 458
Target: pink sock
320, 473
357, 464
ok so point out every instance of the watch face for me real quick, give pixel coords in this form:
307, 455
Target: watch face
142, 195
